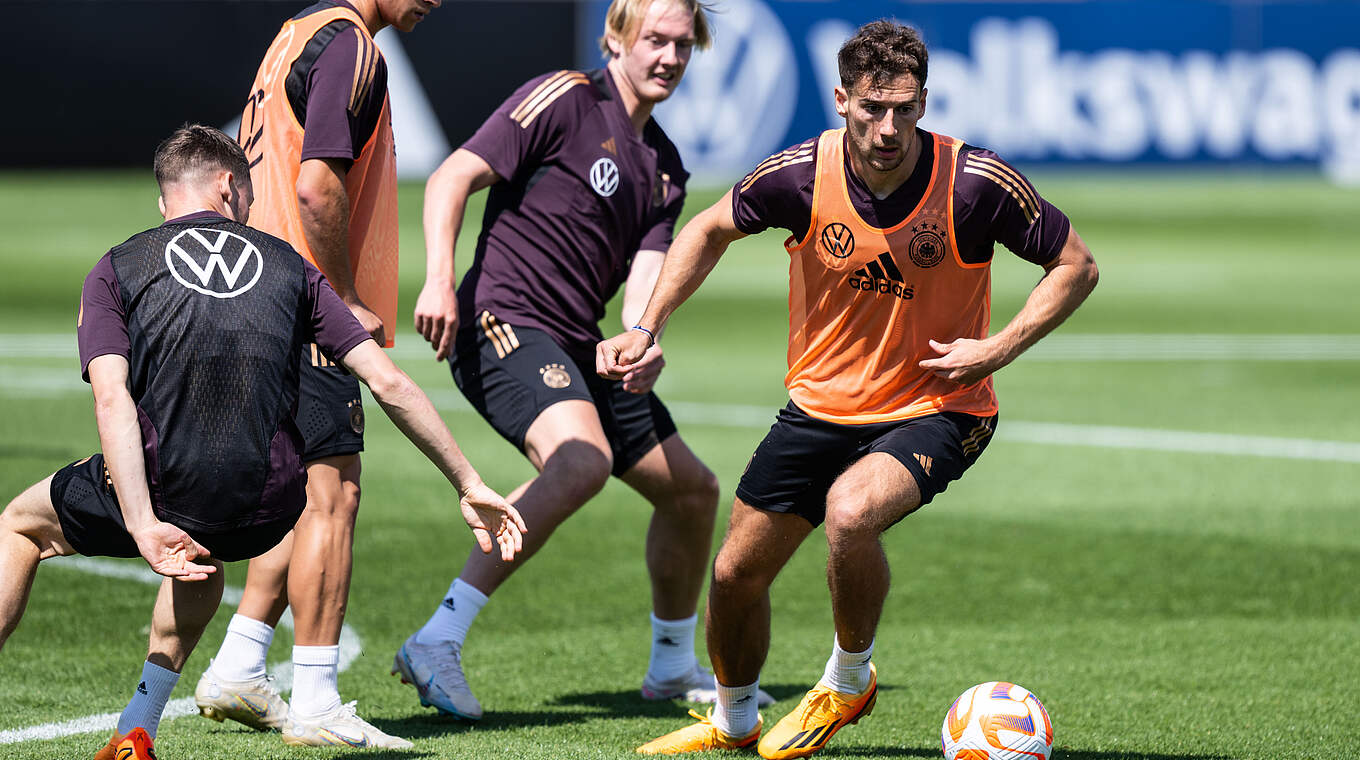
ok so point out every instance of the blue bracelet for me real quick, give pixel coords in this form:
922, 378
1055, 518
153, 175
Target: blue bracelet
651, 336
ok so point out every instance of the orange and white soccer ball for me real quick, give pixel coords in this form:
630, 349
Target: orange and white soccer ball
997, 721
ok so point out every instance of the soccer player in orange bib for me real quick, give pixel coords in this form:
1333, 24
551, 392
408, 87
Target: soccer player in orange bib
890, 364
317, 128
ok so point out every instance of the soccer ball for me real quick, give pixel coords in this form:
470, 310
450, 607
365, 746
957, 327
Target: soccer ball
996, 721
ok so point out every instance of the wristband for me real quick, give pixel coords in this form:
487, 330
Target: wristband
651, 336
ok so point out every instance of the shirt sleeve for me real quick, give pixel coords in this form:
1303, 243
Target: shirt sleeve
778, 192
101, 325
996, 203
531, 124
335, 329
344, 97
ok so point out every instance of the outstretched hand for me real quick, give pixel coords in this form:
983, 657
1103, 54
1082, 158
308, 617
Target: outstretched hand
170, 552
490, 515
616, 357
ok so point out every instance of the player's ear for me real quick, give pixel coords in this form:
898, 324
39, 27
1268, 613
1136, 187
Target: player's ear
922, 110
160, 204
842, 101
615, 45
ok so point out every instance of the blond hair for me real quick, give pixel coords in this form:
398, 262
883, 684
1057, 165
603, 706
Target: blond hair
624, 18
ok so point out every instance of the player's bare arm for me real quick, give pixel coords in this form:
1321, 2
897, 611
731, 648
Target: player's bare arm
323, 206
484, 510
1066, 283
446, 193
167, 549
692, 256
636, 292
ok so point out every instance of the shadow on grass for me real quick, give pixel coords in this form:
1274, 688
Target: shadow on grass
581, 706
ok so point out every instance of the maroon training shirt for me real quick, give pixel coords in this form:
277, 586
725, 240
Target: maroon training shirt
580, 194
984, 212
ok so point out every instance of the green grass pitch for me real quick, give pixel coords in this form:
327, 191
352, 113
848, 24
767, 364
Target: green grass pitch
1163, 542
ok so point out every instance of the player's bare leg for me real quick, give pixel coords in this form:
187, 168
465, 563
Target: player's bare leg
865, 500
182, 612
684, 498
567, 445
323, 551
29, 533
265, 596
757, 546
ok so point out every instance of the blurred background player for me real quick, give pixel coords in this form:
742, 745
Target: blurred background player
585, 189
188, 336
318, 130
892, 234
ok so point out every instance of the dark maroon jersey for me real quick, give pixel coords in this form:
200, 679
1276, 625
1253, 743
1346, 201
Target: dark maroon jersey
337, 120
211, 316
985, 213
579, 195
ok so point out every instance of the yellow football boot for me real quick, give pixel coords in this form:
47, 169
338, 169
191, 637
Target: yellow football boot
699, 737
816, 719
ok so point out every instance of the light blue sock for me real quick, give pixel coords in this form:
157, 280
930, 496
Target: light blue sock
148, 701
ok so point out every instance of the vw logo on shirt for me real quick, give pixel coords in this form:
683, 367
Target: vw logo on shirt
198, 258
604, 177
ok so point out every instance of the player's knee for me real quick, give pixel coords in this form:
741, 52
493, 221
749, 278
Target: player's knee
582, 470
734, 578
846, 519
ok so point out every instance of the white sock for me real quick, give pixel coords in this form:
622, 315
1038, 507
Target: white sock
316, 688
148, 701
847, 672
736, 711
243, 651
454, 615
672, 648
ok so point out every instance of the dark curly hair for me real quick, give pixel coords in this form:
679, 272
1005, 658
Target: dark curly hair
882, 51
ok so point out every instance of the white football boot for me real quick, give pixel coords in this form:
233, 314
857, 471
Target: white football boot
698, 685
255, 703
341, 728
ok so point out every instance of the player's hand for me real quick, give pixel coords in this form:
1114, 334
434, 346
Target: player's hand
170, 552
437, 317
371, 322
616, 356
964, 361
645, 372
489, 515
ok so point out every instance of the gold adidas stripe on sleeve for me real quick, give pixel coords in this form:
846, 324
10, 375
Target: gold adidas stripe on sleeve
365, 69
802, 157
545, 95
1031, 212
1007, 178
784, 154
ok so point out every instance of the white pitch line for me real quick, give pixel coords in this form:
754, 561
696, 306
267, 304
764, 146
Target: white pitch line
350, 649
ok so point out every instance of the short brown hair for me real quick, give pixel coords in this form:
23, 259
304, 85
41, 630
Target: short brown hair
195, 148
624, 18
882, 51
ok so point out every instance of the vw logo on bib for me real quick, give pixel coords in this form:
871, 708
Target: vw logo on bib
197, 259
604, 177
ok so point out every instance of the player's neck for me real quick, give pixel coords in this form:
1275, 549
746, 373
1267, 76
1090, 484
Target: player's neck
368, 11
639, 111
881, 183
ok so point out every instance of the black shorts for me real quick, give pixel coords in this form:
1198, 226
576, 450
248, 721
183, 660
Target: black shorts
92, 522
794, 466
511, 374
330, 411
